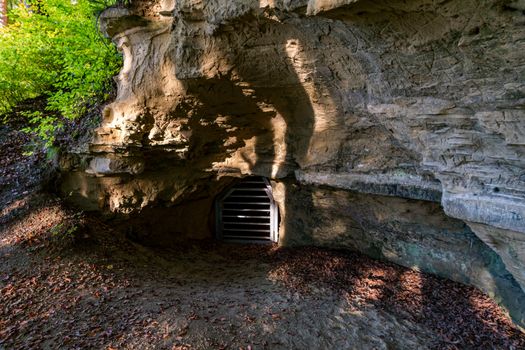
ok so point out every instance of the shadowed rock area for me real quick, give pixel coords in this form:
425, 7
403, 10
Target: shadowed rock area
394, 128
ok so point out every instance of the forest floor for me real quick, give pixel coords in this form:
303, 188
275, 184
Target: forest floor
69, 281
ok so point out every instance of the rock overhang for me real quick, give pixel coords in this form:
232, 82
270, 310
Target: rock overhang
422, 100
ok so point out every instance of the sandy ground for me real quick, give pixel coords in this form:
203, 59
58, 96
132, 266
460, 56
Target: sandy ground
69, 281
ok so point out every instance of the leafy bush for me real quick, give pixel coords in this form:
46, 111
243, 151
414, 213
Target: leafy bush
53, 48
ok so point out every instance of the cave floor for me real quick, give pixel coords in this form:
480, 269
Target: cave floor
69, 281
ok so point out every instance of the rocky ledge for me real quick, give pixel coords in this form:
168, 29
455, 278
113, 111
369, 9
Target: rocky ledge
396, 128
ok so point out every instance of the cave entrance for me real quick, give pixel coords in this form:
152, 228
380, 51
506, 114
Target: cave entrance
247, 212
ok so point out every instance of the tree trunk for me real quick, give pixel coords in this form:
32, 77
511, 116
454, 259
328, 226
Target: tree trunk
3, 13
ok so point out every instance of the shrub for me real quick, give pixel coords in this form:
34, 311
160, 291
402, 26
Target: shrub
53, 48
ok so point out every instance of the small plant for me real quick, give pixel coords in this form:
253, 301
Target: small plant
62, 230
53, 48
67, 229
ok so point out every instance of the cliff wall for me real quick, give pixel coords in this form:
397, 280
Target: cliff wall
395, 127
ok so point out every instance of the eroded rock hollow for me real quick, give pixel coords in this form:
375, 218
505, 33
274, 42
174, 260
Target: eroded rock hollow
396, 128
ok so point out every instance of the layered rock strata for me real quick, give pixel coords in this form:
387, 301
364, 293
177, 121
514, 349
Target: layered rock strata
395, 127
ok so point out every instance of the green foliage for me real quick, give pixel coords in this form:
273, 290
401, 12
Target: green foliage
68, 228
63, 231
53, 48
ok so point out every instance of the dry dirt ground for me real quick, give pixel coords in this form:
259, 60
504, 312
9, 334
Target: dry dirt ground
69, 281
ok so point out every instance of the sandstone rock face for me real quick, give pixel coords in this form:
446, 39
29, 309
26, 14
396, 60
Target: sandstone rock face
408, 232
359, 111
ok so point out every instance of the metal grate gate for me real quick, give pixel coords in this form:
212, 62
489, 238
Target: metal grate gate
247, 212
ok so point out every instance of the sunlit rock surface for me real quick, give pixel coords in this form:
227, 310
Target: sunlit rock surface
359, 111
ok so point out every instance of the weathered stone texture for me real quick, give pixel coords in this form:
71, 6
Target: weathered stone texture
420, 99
409, 232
